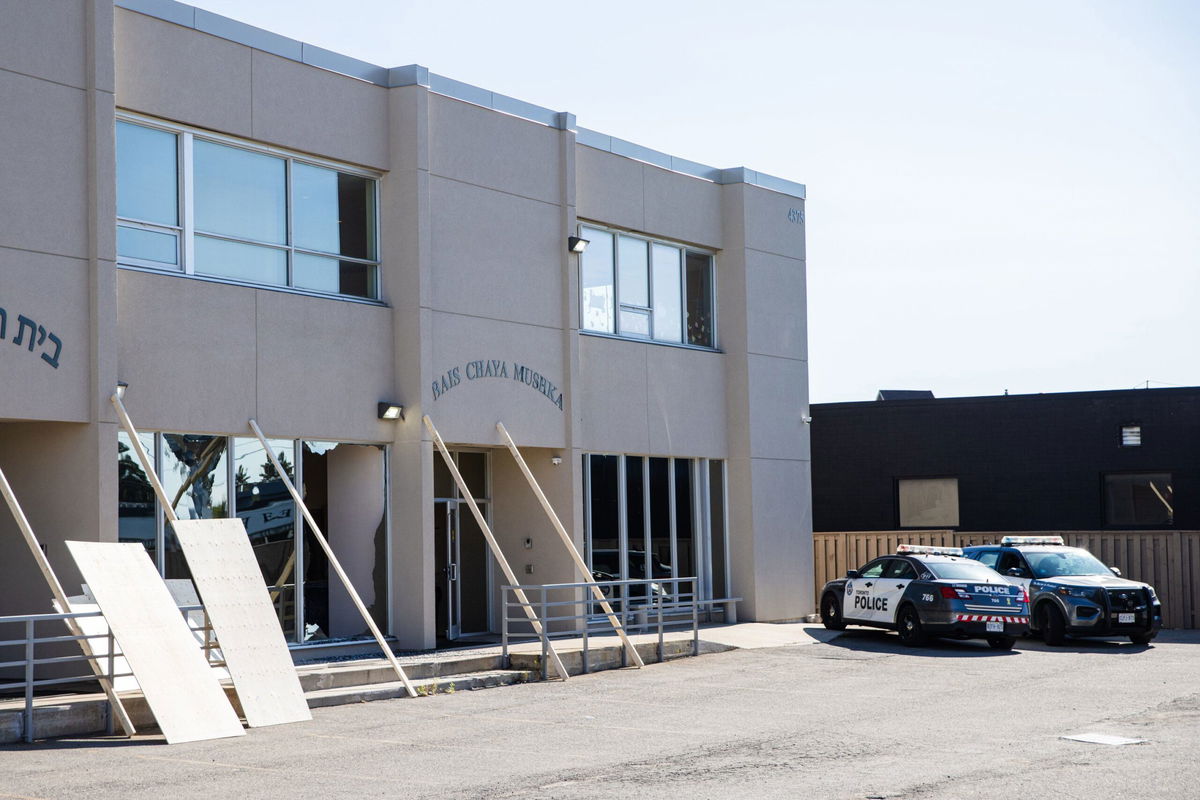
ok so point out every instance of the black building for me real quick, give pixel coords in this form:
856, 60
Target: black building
1049, 462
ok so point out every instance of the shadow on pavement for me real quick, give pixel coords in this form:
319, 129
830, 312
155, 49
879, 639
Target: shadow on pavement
85, 743
1116, 646
879, 641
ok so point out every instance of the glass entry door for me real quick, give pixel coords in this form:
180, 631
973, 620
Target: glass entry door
461, 562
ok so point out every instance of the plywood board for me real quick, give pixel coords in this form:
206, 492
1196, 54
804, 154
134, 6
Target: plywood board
243, 617
98, 628
182, 692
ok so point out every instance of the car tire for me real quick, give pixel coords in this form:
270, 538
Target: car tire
831, 613
908, 625
1054, 627
1001, 642
1143, 638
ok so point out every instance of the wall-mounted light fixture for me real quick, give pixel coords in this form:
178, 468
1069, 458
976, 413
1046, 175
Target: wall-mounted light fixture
806, 420
121, 387
391, 411
577, 245
556, 460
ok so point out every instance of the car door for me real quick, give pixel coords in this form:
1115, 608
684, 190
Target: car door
1012, 559
857, 602
888, 590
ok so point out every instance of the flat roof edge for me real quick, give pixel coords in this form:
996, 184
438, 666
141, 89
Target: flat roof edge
415, 75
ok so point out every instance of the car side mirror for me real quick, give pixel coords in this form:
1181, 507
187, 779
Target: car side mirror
1016, 572
1115, 571
852, 573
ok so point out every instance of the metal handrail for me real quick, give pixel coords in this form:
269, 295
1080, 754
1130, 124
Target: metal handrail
107, 661
669, 608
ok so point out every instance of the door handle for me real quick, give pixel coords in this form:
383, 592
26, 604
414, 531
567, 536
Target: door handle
869, 584
452, 572
899, 585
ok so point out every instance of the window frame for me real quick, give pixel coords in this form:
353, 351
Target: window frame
1106, 504
185, 137
684, 250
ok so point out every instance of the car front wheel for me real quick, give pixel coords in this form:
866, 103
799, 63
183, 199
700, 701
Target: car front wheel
831, 613
1054, 627
909, 626
1001, 642
1142, 638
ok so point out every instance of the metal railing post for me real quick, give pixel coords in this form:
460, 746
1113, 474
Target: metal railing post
504, 659
112, 670
624, 620
545, 631
659, 598
29, 637
695, 626
587, 612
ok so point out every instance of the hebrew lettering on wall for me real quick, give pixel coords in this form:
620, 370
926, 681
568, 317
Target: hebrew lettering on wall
37, 338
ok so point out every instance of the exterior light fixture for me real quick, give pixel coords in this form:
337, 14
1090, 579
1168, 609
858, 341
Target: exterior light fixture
806, 420
577, 245
556, 460
391, 411
121, 387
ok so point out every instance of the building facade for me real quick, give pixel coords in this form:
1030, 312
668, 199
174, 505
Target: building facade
1077, 461
241, 226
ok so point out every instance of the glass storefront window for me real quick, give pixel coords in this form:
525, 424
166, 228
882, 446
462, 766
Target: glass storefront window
193, 472
596, 264
136, 518
269, 514
239, 193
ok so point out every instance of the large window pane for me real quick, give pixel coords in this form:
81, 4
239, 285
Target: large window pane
135, 495
239, 193
148, 245
147, 175
603, 516
668, 293
242, 262
597, 278
333, 212
659, 552
266, 508
699, 300
1139, 499
193, 474
635, 323
684, 565
634, 273
716, 515
635, 520
323, 274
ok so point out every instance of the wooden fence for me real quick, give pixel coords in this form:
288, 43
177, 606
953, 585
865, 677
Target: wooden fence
1167, 560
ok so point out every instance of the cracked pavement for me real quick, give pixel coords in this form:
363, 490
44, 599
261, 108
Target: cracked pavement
856, 716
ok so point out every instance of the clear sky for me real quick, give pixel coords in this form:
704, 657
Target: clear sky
1002, 194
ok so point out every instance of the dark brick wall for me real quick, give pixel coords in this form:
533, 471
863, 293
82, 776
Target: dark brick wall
1023, 462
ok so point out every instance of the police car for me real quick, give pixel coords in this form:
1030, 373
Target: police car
928, 591
1072, 592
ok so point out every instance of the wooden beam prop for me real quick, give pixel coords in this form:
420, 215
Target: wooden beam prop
60, 597
570, 545
333, 562
147, 464
496, 551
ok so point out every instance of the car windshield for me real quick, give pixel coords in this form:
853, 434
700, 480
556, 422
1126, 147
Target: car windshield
1068, 561
965, 570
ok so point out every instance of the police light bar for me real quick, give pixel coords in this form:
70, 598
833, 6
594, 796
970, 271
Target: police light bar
928, 550
1014, 540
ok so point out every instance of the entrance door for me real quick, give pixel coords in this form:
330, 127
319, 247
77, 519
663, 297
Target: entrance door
461, 561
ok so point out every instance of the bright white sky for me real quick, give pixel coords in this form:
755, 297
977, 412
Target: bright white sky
1001, 194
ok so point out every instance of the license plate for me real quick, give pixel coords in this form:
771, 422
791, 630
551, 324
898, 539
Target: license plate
1126, 619
995, 627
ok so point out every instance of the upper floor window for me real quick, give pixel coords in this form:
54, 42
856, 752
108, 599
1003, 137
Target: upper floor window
1139, 498
226, 209
646, 289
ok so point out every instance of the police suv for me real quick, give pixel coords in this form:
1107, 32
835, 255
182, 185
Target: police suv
928, 591
1071, 592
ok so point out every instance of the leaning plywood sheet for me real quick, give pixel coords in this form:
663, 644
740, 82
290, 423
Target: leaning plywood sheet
97, 630
239, 606
182, 692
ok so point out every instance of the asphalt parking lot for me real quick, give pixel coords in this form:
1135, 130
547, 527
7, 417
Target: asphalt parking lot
855, 716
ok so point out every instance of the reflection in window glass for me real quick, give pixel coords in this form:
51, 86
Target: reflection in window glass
144, 244
266, 508
684, 565
597, 279
633, 260
603, 521
699, 300
193, 473
1146, 498
716, 516
242, 262
135, 496
635, 323
668, 297
147, 190
322, 274
635, 520
659, 551
333, 212
239, 193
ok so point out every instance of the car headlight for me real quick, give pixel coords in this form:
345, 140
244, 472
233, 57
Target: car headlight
1083, 594
1153, 594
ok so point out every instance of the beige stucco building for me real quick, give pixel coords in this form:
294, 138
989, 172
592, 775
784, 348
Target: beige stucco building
239, 225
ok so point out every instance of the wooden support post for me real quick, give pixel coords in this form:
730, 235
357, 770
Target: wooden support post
147, 464
570, 545
496, 551
333, 562
61, 598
